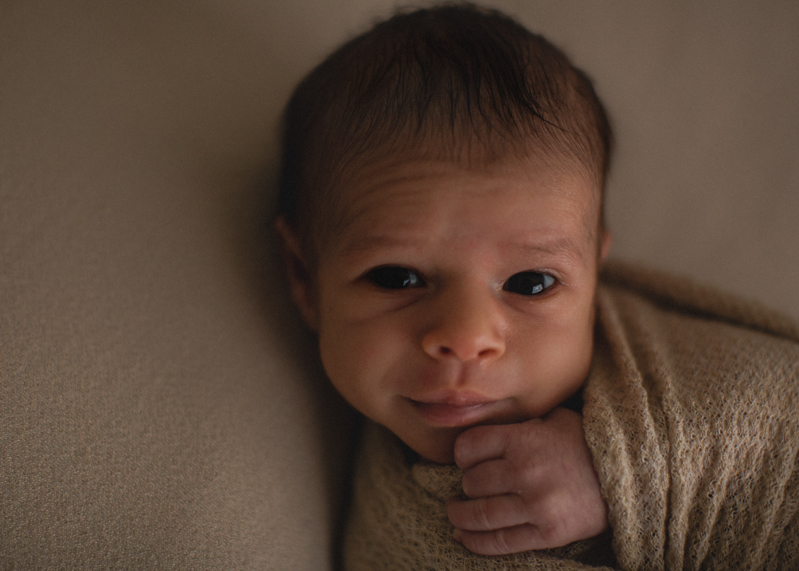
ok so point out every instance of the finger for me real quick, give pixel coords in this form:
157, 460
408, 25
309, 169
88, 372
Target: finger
486, 514
489, 478
481, 443
504, 541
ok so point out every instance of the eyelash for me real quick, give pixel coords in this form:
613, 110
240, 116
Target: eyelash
528, 283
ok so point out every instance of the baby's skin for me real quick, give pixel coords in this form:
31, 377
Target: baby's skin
530, 485
455, 306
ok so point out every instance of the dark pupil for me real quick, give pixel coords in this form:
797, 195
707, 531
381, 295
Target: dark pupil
525, 283
392, 277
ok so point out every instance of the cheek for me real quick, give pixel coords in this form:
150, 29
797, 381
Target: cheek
359, 358
556, 348
577, 330
556, 352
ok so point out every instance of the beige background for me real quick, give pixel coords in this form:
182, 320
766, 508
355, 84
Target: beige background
159, 407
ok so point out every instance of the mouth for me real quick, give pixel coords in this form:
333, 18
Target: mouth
453, 409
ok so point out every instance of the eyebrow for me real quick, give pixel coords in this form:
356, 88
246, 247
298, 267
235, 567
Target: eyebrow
560, 246
373, 242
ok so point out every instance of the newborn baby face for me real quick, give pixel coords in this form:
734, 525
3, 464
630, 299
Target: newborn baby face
456, 297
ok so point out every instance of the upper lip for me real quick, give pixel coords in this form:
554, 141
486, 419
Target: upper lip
454, 398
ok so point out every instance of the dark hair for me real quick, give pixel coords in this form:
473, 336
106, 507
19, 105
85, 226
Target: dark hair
457, 80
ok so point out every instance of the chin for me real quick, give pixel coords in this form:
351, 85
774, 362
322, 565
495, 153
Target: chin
445, 458
440, 451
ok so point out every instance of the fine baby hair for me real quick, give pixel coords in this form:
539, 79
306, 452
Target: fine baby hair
454, 82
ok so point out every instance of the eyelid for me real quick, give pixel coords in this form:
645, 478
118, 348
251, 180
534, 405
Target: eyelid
545, 271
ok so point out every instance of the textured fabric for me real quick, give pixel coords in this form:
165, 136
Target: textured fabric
690, 415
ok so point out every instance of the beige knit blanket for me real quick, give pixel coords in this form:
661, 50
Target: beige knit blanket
691, 414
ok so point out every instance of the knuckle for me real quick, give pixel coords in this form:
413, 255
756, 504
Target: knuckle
546, 510
499, 542
529, 479
549, 535
482, 514
551, 524
525, 441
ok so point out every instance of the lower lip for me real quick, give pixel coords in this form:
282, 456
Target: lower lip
447, 415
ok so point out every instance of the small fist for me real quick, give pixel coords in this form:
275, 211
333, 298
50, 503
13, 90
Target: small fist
530, 486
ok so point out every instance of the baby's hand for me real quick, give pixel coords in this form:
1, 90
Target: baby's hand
530, 486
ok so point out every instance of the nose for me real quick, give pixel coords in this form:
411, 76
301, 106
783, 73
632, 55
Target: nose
468, 326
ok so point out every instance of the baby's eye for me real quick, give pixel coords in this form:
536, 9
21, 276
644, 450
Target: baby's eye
394, 277
528, 283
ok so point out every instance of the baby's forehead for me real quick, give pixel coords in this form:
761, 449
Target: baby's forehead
388, 198
376, 182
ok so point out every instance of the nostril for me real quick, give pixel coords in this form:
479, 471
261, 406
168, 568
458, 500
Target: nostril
467, 346
482, 354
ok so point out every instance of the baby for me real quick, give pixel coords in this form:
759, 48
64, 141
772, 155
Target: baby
441, 211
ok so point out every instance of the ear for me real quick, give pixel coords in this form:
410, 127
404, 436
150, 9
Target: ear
606, 239
300, 281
